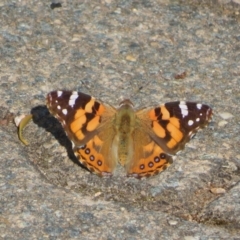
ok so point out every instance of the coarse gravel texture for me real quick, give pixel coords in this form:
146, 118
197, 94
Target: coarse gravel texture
151, 52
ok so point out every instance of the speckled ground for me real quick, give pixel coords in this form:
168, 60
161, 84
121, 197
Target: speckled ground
151, 52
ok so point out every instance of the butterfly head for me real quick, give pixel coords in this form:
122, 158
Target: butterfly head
126, 102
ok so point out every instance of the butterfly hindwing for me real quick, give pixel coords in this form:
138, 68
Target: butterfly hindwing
97, 154
148, 158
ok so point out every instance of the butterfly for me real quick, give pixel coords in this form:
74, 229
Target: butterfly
142, 141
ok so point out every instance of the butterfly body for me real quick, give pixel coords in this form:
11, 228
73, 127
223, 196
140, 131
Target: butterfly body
141, 141
124, 124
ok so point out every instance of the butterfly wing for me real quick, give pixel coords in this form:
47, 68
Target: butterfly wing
164, 131
175, 123
148, 158
88, 124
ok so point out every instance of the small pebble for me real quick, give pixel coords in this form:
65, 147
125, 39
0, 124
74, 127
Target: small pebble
97, 194
217, 190
191, 238
131, 58
172, 222
222, 123
226, 115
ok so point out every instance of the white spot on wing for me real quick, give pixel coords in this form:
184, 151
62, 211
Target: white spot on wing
184, 108
58, 107
64, 111
199, 105
197, 119
190, 122
73, 98
59, 93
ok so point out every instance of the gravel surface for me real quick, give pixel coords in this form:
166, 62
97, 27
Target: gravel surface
151, 52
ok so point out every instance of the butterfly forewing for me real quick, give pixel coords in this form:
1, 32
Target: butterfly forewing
79, 114
175, 123
82, 119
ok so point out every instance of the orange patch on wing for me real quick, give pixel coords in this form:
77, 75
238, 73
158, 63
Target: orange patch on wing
79, 134
175, 132
152, 115
78, 123
89, 105
157, 150
97, 141
148, 147
80, 112
159, 130
165, 113
172, 143
175, 122
100, 110
92, 125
